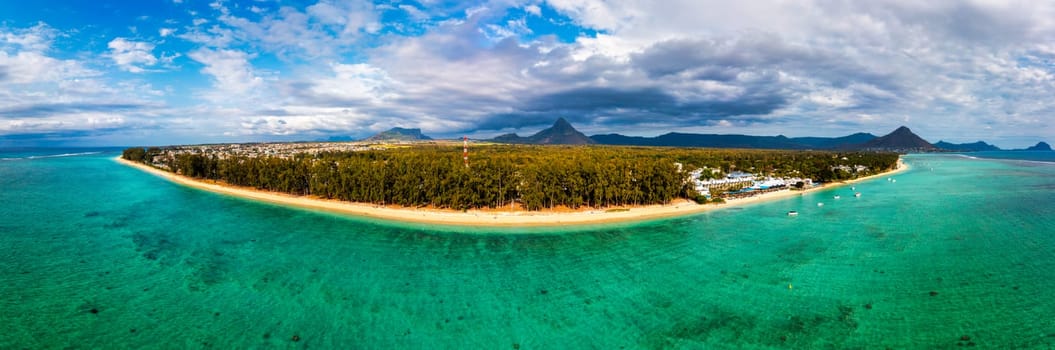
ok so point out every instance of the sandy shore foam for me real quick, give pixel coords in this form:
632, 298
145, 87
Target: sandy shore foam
483, 217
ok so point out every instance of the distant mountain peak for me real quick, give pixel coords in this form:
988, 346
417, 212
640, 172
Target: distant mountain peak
903, 131
1040, 146
561, 133
399, 134
562, 123
901, 139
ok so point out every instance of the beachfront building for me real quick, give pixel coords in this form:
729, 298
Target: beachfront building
740, 184
850, 169
736, 179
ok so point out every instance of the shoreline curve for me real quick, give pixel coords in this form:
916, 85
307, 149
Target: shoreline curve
484, 218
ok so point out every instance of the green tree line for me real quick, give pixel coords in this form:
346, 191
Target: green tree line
531, 177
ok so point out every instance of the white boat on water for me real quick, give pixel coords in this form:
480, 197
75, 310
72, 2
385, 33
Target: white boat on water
837, 197
858, 194
793, 213
820, 204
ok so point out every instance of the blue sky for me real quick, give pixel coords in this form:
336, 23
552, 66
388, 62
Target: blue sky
189, 71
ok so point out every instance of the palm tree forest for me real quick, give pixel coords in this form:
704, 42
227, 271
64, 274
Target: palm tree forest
524, 177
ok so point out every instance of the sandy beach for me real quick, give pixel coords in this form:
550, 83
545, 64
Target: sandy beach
484, 217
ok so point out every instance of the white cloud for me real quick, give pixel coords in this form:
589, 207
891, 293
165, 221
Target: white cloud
321, 30
599, 14
132, 56
533, 9
304, 121
512, 28
24, 58
351, 82
163, 32
230, 69
36, 38
29, 67
351, 17
43, 94
414, 12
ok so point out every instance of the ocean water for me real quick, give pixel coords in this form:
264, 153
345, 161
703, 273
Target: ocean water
1040, 156
94, 254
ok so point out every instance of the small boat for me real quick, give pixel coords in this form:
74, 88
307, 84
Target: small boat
793, 213
894, 180
858, 194
820, 204
837, 197
853, 188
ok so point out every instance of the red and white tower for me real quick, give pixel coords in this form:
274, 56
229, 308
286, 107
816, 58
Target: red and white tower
465, 150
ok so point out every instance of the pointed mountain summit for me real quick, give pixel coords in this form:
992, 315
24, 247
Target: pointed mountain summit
561, 133
901, 140
398, 134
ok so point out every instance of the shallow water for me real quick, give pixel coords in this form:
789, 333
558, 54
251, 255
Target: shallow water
167, 265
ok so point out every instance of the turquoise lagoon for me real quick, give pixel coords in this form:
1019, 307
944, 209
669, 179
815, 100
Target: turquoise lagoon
94, 254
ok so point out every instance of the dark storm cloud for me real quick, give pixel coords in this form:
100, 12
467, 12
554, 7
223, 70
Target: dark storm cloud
725, 60
627, 107
53, 138
50, 109
519, 120
748, 105
42, 136
274, 112
720, 59
559, 60
447, 99
756, 101
594, 98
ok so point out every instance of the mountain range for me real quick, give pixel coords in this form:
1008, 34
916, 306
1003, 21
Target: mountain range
675, 139
979, 146
563, 133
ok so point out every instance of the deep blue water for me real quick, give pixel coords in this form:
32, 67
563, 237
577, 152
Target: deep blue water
1040, 156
